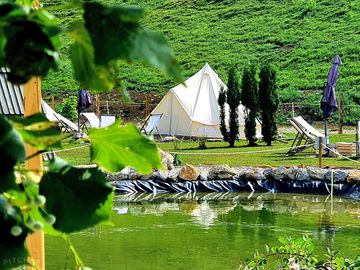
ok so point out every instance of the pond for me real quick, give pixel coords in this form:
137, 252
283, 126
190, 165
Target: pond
208, 231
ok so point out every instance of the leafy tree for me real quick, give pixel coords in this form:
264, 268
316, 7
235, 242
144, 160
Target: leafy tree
249, 98
269, 101
221, 102
69, 199
233, 99
67, 108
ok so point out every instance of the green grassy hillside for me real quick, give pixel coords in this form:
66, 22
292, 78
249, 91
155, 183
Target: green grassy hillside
300, 37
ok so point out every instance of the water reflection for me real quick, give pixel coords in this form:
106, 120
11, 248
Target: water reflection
207, 206
233, 209
209, 231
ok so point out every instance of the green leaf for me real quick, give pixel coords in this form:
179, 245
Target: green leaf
11, 146
7, 181
78, 198
112, 30
9, 10
86, 72
282, 239
12, 151
125, 39
38, 131
12, 248
29, 39
152, 48
29, 51
118, 146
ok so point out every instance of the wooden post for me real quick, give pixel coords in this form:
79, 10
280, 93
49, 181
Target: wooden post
341, 98
107, 107
320, 152
53, 102
147, 104
97, 105
32, 105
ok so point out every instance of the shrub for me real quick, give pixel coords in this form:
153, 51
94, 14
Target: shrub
221, 102
269, 102
67, 108
298, 254
249, 98
233, 99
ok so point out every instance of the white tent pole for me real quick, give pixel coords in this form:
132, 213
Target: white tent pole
187, 130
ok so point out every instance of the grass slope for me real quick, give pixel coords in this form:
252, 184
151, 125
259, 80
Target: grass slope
300, 37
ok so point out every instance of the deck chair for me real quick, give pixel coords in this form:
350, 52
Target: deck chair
47, 156
305, 136
89, 119
107, 120
65, 124
151, 123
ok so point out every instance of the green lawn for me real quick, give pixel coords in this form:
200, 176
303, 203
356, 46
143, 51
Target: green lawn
241, 155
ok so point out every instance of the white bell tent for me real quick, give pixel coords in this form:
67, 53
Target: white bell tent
192, 110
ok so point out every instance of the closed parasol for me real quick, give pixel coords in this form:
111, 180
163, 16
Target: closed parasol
328, 102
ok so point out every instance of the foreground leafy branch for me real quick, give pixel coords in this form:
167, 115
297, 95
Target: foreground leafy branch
296, 254
68, 199
105, 35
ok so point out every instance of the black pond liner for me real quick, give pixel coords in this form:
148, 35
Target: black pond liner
288, 186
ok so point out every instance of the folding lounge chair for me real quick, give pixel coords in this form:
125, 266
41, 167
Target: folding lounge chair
151, 123
89, 119
305, 136
65, 124
107, 119
47, 156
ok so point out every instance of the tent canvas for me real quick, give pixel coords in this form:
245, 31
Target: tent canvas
192, 110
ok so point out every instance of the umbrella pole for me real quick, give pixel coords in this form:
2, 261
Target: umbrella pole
326, 136
326, 128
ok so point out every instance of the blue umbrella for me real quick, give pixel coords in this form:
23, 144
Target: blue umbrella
328, 102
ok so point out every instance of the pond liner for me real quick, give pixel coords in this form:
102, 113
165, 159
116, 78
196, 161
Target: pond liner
266, 185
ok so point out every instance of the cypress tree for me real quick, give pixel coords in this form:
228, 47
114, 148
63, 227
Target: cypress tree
249, 98
233, 99
269, 101
221, 102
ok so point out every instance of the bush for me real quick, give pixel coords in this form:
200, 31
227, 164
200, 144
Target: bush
221, 102
249, 98
67, 108
298, 254
233, 99
269, 101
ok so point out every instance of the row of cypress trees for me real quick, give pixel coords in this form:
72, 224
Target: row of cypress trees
259, 99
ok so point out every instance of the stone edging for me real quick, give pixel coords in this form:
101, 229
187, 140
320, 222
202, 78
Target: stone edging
225, 172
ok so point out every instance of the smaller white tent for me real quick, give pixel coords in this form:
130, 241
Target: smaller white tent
192, 110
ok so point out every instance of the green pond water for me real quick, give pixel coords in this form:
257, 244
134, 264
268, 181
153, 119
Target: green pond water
207, 231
